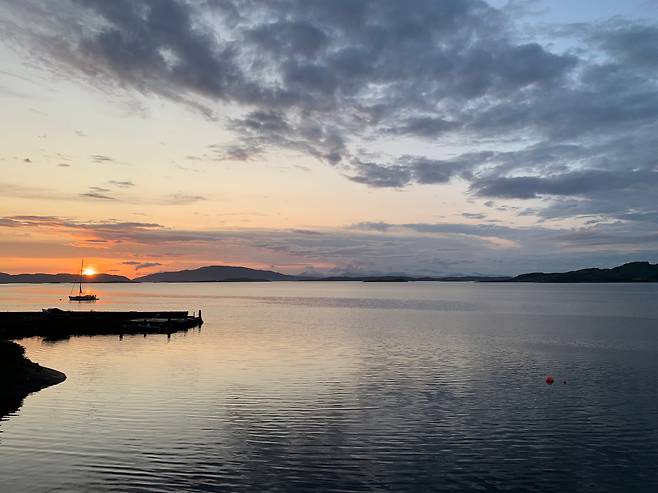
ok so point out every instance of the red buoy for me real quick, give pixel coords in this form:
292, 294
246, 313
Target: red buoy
549, 380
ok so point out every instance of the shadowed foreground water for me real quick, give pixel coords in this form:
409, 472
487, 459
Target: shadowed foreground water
348, 387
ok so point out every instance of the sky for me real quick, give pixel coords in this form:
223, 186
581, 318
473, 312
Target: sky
433, 137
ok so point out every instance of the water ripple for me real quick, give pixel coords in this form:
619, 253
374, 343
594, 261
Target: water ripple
391, 389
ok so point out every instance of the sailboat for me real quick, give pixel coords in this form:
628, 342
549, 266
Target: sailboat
82, 296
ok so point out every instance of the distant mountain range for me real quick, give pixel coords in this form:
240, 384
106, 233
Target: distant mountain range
242, 274
217, 273
631, 272
57, 278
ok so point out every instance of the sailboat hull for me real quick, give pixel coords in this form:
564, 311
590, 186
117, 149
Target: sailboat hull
84, 297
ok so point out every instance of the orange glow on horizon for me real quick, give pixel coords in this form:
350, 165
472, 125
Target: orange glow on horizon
89, 271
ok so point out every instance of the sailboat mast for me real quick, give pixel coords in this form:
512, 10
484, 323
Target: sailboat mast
82, 265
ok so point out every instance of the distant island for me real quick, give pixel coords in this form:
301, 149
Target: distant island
217, 273
630, 272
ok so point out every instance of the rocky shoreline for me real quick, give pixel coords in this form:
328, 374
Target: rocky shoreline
19, 377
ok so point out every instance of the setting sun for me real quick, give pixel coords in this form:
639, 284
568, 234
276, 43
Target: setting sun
89, 271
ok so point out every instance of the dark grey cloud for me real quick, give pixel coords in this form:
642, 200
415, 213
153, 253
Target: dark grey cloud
376, 175
260, 130
424, 126
327, 79
572, 183
100, 158
246, 150
141, 265
99, 189
96, 195
414, 169
483, 230
7, 222
603, 241
147, 265
298, 38
302, 57
630, 42
474, 215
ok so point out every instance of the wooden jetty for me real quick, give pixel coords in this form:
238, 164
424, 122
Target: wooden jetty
53, 323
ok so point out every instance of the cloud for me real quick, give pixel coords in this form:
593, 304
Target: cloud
336, 81
379, 247
376, 175
96, 195
110, 231
424, 126
571, 183
414, 169
100, 158
182, 199
633, 43
147, 265
121, 184
301, 132
142, 265
474, 215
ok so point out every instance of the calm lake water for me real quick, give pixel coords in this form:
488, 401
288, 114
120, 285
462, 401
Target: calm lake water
348, 387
